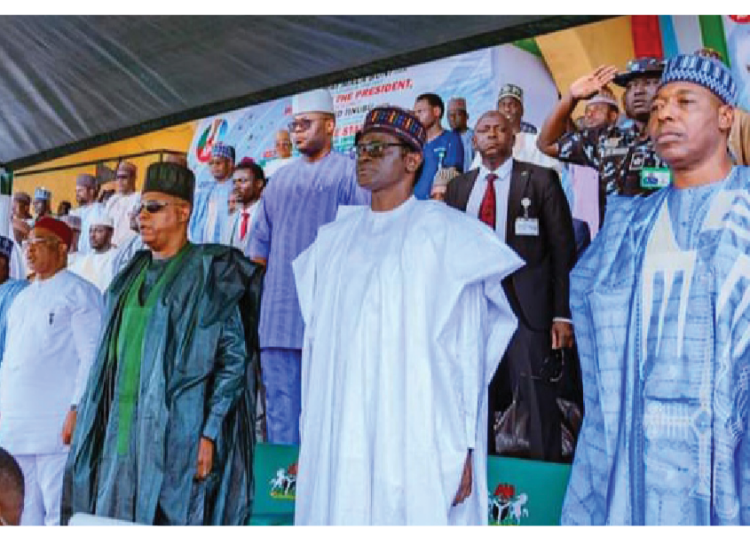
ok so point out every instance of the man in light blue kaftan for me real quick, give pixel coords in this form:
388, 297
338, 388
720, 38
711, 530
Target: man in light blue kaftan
210, 215
661, 306
9, 287
301, 197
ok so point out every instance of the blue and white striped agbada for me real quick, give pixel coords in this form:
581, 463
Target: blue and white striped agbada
707, 72
301, 197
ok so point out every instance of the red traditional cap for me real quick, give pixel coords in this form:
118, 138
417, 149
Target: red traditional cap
57, 227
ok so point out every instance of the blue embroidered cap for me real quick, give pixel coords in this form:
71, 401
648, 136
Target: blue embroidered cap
704, 71
397, 121
6, 247
223, 151
42, 194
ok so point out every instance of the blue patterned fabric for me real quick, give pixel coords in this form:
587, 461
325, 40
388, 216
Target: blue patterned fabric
8, 291
210, 194
707, 72
6, 247
42, 194
300, 198
664, 340
223, 151
281, 370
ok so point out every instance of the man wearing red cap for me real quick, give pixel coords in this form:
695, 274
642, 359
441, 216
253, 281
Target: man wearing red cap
53, 325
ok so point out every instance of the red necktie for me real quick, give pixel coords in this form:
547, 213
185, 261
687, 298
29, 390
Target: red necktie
488, 208
243, 225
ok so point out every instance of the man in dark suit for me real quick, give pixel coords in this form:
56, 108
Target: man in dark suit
526, 206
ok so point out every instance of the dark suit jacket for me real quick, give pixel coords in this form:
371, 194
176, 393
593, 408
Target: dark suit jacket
540, 291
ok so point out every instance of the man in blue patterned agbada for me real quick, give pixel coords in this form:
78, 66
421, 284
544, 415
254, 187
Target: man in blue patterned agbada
661, 305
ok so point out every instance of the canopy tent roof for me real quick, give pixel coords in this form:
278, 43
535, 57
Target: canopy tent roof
70, 83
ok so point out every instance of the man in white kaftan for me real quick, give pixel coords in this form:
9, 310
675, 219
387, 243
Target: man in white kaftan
52, 331
661, 305
122, 202
88, 209
97, 266
405, 323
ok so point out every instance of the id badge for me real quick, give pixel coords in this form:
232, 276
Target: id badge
655, 178
527, 227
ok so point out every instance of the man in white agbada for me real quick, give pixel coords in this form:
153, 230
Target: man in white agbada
122, 202
405, 323
74, 222
96, 266
88, 208
52, 331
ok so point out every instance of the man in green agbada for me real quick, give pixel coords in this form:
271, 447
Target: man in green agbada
165, 428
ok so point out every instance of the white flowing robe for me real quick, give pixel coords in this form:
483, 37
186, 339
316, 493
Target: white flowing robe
96, 268
405, 323
118, 208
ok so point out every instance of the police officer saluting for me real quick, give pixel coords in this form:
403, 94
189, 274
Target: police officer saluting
622, 153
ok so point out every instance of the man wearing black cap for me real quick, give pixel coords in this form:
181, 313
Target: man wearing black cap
165, 433
51, 334
395, 371
622, 154
661, 308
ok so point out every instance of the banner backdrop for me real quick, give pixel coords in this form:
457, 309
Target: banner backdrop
476, 76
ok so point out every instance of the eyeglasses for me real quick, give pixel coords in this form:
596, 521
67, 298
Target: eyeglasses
302, 124
153, 206
374, 149
34, 242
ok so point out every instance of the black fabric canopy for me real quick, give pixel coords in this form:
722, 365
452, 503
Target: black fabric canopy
70, 83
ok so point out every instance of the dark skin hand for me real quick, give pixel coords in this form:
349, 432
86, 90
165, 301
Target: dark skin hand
205, 458
464, 488
69, 426
562, 334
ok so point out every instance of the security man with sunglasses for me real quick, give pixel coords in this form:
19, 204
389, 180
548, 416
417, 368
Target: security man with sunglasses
164, 432
302, 196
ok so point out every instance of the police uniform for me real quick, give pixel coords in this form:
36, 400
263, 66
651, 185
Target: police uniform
622, 154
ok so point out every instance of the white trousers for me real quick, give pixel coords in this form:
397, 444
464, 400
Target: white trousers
43, 479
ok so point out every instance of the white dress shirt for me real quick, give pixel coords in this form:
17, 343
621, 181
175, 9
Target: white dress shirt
53, 330
502, 188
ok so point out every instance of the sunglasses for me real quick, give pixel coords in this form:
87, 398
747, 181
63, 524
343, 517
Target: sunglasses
374, 149
153, 206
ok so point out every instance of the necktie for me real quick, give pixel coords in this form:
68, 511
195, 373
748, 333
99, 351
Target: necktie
243, 224
488, 208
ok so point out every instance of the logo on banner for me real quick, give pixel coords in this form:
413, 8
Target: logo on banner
740, 19
214, 133
284, 484
506, 507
